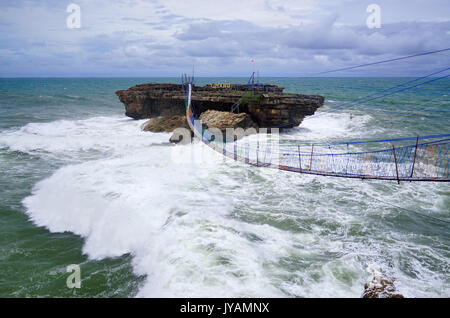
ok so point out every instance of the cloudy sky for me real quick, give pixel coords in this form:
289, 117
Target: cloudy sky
167, 37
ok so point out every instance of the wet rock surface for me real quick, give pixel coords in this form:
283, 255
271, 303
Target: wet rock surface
378, 286
383, 289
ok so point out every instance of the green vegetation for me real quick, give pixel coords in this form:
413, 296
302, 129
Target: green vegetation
250, 98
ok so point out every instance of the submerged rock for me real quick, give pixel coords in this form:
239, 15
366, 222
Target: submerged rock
378, 286
382, 289
181, 135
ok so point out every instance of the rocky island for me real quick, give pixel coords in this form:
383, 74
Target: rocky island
229, 106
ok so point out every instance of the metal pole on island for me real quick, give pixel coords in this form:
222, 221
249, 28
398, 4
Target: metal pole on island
253, 76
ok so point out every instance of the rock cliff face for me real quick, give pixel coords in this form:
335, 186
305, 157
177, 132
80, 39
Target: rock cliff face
153, 100
266, 109
284, 111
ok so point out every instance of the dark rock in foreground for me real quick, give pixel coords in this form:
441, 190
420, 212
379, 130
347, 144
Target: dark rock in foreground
267, 109
379, 287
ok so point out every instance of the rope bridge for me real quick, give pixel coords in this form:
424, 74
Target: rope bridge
426, 160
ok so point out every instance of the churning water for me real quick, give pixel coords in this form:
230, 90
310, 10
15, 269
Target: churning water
82, 184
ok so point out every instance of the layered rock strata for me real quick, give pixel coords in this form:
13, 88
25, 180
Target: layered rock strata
266, 109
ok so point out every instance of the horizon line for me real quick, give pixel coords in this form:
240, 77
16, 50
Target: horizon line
204, 76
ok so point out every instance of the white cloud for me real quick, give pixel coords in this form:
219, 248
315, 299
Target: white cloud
287, 37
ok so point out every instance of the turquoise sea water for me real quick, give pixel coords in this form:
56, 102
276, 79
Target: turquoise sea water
82, 184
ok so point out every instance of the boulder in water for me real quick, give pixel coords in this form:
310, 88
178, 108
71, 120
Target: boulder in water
165, 124
210, 119
223, 120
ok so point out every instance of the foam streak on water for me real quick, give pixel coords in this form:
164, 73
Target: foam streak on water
225, 229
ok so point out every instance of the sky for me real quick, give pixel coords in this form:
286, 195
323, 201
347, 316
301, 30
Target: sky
146, 38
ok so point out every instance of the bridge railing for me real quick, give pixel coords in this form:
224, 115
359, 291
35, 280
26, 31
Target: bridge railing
427, 160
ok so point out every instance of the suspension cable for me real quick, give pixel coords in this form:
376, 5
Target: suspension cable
383, 61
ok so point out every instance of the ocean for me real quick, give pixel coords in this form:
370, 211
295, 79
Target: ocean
82, 184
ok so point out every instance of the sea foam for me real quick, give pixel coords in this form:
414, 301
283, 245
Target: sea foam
222, 228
